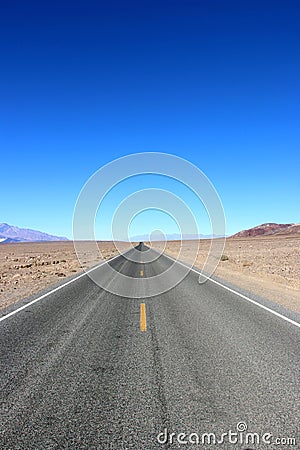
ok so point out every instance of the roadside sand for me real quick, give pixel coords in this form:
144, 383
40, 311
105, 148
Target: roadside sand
27, 268
267, 266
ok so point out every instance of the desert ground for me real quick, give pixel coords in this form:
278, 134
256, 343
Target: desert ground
27, 268
268, 266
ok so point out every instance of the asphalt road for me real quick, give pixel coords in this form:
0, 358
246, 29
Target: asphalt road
77, 372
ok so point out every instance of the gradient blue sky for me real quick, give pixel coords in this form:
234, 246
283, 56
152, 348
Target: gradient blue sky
215, 82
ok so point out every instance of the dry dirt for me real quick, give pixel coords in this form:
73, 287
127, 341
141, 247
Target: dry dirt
267, 266
27, 268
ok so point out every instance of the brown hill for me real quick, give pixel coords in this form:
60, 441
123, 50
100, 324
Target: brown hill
292, 230
264, 229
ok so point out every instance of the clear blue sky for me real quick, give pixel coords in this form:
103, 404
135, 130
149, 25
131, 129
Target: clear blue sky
215, 82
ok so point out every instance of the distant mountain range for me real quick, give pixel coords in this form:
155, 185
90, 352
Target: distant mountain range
267, 229
171, 237
11, 234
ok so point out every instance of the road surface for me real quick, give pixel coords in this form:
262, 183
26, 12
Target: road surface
86, 369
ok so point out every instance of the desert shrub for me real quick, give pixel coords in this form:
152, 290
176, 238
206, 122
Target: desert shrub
224, 258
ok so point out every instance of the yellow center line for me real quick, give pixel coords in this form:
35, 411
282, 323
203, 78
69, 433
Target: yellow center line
141, 273
143, 320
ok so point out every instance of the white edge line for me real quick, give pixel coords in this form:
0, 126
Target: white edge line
169, 257
58, 288
236, 292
